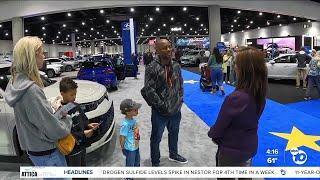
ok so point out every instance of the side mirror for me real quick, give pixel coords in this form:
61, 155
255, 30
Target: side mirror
272, 62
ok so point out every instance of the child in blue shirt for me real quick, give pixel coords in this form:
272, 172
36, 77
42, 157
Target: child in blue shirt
129, 132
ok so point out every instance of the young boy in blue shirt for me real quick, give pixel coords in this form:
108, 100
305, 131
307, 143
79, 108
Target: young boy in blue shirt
129, 132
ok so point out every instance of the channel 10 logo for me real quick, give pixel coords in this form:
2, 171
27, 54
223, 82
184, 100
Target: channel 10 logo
299, 157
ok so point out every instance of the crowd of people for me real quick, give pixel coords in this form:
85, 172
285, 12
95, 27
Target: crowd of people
235, 130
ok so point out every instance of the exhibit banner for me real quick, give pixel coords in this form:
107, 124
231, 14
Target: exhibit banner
287, 43
128, 40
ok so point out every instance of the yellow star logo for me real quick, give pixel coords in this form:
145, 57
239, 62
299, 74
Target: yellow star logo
297, 139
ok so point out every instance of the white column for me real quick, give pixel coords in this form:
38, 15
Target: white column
17, 29
214, 25
73, 41
92, 47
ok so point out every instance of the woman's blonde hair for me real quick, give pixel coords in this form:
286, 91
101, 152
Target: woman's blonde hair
24, 58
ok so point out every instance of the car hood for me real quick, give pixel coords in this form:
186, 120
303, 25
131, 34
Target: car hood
54, 65
187, 57
87, 91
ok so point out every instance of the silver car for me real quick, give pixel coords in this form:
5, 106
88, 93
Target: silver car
68, 65
282, 67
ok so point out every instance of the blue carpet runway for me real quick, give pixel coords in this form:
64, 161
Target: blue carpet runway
287, 137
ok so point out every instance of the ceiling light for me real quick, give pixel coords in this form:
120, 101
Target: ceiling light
0, 25
258, 27
235, 20
59, 32
197, 18
69, 14
158, 29
309, 21
184, 9
131, 9
147, 25
64, 25
294, 18
251, 22
95, 38
43, 28
61, 41
239, 12
90, 35
242, 31
238, 25
157, 9
53, 40
185, 25
201, 25
84, 34
229, 32
151, 19
195, 32
102, 35
91, 29
108, 21
43, 18
142, 30
190, 29
101, 11
248, 27
164, 25
115, 31
280, 24
98, 32
260, 13
112, 27
231, 25
68, 35
232, 30
7, 34
278, 16
26, 30
83, 23
44, 34
76, 30
78, 37
172, 18
154, 32
57, 37
268, 23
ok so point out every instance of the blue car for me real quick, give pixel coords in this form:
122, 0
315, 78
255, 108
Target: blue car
100, 71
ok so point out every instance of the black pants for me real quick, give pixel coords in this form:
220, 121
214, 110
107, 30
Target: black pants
224, 160
226, 76
78, 159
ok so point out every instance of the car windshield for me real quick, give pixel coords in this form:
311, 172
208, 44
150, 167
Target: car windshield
94, 64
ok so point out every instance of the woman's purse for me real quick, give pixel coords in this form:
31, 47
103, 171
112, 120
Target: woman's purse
66, 144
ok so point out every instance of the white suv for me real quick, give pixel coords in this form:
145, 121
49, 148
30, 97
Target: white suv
93, 99
67, 65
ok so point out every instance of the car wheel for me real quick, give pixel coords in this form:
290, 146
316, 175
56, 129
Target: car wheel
68, 68
50, 73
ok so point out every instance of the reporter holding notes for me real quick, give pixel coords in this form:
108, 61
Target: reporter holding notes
235, 131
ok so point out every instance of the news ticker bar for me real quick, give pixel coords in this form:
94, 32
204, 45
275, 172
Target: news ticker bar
169, 172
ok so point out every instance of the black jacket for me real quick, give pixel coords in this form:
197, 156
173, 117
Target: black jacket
79, 124
302, 59
157, 93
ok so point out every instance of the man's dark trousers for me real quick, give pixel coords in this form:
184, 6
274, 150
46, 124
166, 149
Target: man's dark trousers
159, 122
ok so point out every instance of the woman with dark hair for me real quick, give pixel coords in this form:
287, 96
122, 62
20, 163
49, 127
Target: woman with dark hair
235, 131
215, 64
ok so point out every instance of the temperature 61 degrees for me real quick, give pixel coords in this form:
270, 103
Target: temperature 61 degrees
272, 160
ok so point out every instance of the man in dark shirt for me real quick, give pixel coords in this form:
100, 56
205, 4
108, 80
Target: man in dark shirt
163, 91
302, 59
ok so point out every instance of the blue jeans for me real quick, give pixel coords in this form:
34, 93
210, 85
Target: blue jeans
159, 122
313, 81
216, 76
54, 159
132, 157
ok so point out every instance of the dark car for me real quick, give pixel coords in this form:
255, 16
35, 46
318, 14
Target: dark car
101, 71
